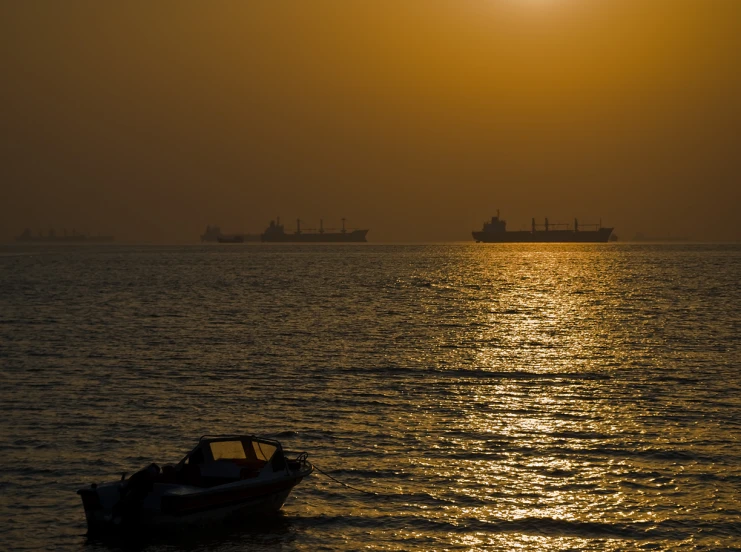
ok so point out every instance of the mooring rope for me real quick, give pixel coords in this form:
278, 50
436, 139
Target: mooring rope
371, 493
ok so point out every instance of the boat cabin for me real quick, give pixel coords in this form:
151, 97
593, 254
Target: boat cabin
223, 459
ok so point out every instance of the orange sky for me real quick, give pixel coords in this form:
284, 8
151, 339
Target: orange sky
416, 119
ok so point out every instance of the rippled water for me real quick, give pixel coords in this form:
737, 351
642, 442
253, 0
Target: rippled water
494, 397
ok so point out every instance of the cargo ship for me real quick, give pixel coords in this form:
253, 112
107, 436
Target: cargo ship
53, 237
496, 231
275, 232
214, 234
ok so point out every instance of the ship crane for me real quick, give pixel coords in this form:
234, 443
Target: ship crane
321, 230
548, 226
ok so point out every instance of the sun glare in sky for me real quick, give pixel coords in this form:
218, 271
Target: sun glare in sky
391, 114
528, 9
535, 3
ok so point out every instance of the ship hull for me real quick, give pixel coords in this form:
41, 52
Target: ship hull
549, 236
230, 239
355, 236
65, 239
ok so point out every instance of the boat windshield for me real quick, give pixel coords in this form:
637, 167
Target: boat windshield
228, 450
263, 451
242, 450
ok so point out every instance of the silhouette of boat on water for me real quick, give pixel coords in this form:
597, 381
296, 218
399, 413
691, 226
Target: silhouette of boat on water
275, 232
214, 234
496, 231
53, 237
223, 478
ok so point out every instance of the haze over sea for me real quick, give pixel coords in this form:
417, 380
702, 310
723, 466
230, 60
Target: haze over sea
496, 397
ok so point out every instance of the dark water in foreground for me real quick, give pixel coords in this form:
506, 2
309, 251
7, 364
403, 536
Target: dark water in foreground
497, 397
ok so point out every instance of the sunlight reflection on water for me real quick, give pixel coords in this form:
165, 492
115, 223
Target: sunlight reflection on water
496, 397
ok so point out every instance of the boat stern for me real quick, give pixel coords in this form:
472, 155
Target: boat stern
99, 502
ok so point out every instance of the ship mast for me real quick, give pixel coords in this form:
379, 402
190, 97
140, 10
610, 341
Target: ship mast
343, 226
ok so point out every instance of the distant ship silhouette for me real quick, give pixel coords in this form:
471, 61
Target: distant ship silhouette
53, 237
214, 234
275, 232
496, 232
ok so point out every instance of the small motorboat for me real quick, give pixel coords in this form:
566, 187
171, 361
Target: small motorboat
223, 478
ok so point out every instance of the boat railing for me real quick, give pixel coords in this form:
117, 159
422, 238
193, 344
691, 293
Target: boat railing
298, 458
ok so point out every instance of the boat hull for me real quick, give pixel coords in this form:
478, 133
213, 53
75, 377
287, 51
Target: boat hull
177, 506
